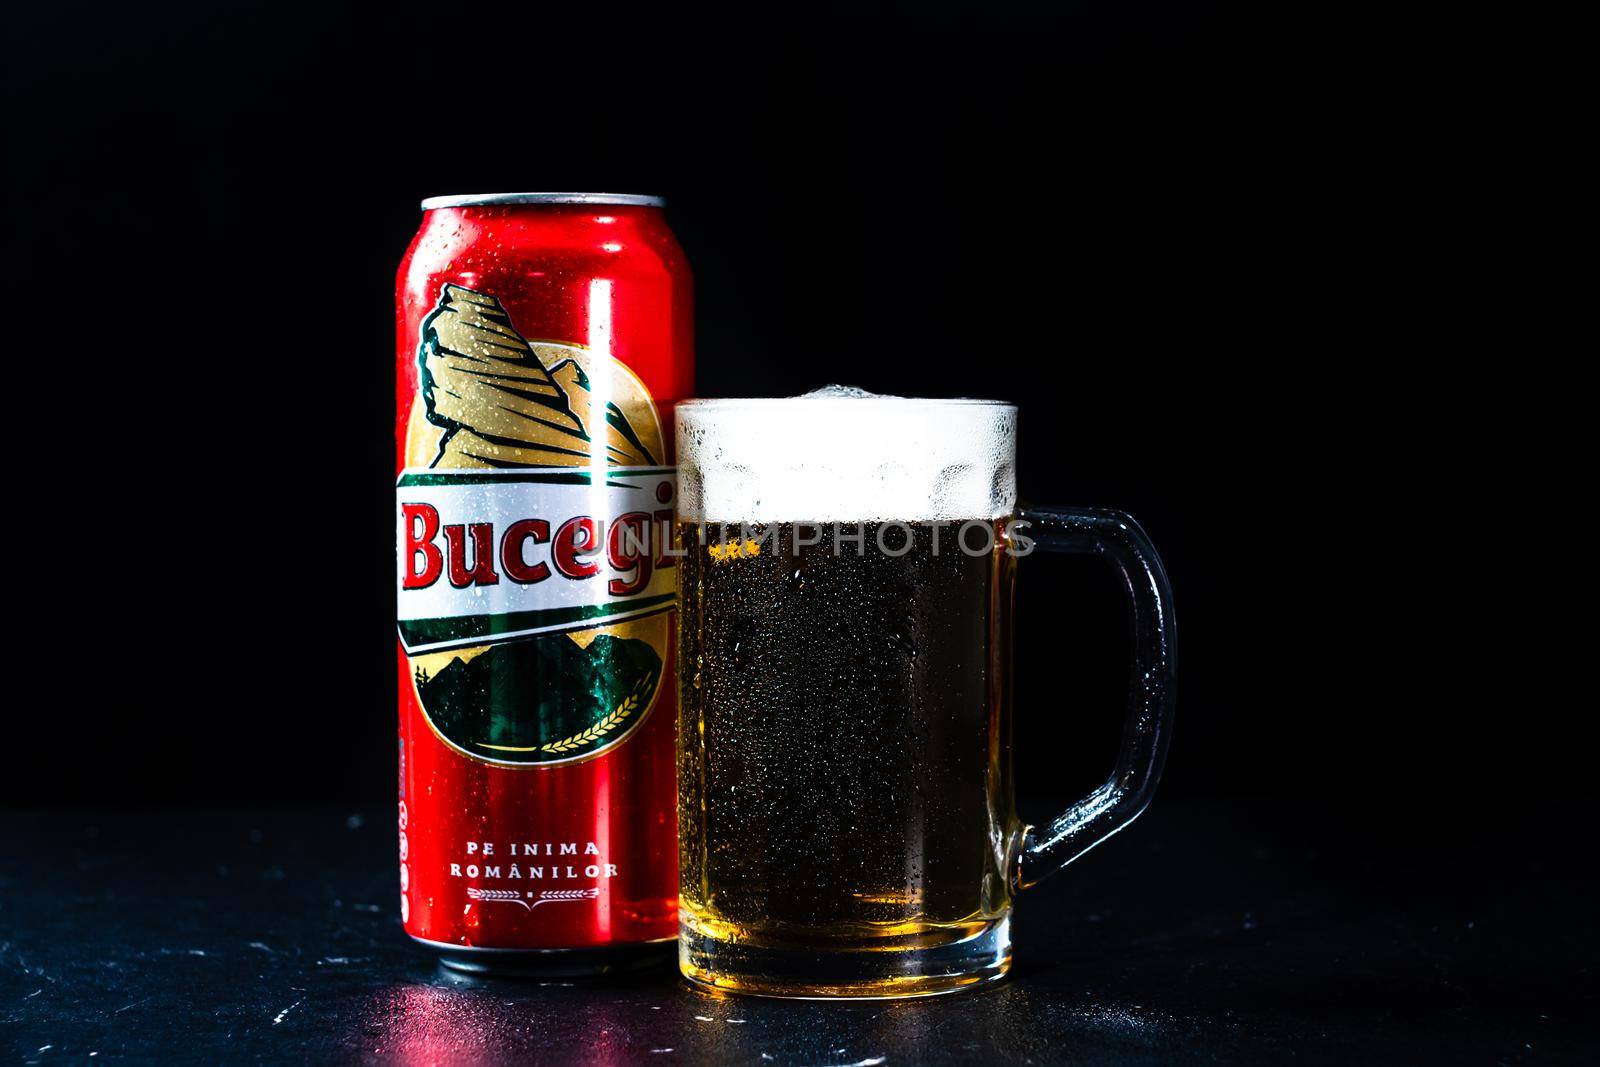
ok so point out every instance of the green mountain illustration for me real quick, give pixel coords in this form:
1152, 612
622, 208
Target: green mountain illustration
542, 699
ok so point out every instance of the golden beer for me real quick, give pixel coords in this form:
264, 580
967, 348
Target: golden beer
843, 746
845, 814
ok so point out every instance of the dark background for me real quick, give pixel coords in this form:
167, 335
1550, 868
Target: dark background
1288, 285
1146, 223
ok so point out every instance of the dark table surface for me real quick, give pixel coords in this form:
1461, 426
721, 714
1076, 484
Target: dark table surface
1230, 932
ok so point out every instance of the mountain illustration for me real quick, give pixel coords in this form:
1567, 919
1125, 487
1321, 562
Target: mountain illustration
484, 384
525, 694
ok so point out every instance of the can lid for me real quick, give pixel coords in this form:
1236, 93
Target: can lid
469, 199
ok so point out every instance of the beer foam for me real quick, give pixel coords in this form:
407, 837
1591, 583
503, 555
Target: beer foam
842, 454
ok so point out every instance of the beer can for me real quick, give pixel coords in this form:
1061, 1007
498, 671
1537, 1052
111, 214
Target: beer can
542, 340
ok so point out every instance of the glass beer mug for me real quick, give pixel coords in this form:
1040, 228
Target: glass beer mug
846, 819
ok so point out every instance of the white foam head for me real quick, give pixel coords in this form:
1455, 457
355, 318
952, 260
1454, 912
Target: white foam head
841, 454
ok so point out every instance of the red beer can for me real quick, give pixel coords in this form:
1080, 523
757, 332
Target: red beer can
542, 341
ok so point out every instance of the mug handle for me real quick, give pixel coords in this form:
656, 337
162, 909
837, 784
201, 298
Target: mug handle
1116, 537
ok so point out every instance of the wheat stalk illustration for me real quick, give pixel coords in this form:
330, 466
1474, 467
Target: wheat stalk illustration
623, 711
553, 896
549, 896
508, 895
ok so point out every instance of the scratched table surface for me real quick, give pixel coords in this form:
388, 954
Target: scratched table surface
1214, 932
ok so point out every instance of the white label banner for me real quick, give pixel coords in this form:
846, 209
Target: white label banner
486, 555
